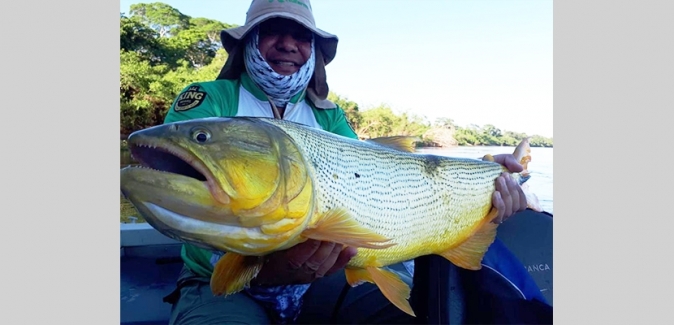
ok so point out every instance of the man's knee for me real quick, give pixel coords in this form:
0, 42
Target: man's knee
196, 304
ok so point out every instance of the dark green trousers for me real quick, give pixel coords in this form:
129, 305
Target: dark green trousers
194, 303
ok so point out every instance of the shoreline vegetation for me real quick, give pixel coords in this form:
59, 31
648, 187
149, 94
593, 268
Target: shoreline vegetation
162, 50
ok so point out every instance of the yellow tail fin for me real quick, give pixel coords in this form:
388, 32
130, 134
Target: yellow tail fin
523, 153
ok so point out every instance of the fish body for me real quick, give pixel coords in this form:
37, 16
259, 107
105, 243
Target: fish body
252, 186
425, 203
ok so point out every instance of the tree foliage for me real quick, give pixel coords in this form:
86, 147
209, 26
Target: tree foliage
163, 50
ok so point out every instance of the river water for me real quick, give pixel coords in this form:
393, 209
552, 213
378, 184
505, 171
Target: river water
540, 167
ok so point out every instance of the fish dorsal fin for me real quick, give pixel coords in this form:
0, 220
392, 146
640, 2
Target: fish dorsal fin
233, 272
338, 226
399, 142
469, 254
389, 283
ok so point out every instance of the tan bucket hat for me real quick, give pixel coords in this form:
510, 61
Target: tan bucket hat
297, 10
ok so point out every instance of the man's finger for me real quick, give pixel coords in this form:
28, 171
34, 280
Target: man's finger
514, 192
329, 261
344, 257
509, 161
320, 255
517, 194
502, 188
499, 205
299, 254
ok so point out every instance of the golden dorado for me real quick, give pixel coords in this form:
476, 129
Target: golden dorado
253, 186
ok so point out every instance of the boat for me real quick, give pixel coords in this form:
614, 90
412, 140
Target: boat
150, 263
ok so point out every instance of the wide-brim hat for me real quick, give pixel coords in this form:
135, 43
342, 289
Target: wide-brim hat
297, 10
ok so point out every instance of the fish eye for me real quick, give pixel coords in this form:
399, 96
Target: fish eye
201, 135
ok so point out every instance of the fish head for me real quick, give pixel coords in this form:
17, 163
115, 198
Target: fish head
230, 184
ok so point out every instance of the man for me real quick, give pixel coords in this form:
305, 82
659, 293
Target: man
276, 68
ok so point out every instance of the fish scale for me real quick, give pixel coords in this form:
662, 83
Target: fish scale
420, 204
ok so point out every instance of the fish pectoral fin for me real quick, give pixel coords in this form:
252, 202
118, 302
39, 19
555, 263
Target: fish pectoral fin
338, 226
403, 143
233, 272
469, 254
389, 283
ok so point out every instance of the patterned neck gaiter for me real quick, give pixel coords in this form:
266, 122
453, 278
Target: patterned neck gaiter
280, 88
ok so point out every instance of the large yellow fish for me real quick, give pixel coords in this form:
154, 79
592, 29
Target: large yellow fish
252, 186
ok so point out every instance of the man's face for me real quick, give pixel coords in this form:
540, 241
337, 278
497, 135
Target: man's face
284, 44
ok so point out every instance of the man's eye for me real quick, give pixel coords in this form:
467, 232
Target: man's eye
303, 37
268, 32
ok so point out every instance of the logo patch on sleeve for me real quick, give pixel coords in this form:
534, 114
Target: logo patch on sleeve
189, 99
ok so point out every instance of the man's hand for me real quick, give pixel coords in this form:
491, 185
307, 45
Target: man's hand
508, 197
304, 263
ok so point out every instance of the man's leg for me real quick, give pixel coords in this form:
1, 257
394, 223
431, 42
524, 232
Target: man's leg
194, 303
362, 304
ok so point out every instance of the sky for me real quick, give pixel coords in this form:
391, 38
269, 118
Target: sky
474, 61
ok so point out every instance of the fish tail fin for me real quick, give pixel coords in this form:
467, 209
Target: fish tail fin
523, 154
389, 283
338, 226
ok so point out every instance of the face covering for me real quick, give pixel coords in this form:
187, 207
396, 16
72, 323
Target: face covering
280, 88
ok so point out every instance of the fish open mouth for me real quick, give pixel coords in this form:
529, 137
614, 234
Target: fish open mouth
163, 156
170, 160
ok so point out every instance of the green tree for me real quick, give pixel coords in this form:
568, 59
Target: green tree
161, 52
164, 19
137, 37
350, 108
466, 137
445, 123
491, 131
382, 121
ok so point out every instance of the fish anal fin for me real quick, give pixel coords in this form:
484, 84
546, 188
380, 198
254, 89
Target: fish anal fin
469, 254
233, 273
338, 226
357, 276
389, 283
392, 287
403, 143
